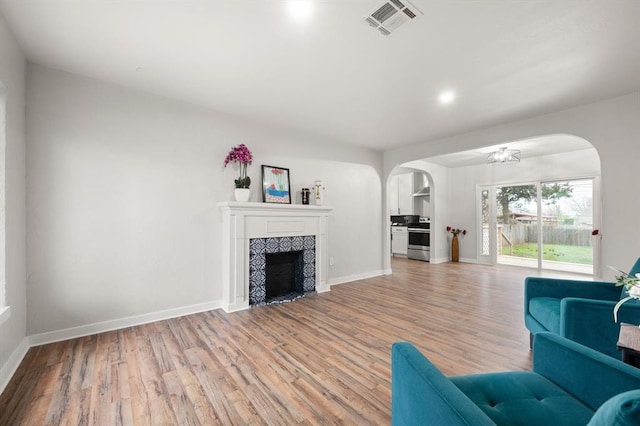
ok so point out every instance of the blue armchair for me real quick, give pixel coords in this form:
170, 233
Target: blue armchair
579, 310
569, 385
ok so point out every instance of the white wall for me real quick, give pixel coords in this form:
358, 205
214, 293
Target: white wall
122, 192
612, 126
12, 331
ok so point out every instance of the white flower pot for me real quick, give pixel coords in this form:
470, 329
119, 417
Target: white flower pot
242, 194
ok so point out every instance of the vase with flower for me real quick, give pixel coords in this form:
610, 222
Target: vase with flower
631, 284
242, 156
454, 242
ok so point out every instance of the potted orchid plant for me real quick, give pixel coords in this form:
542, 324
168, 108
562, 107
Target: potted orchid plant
242, 155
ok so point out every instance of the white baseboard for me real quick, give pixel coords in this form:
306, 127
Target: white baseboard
387, 271
235, 307
101, 327
9, 368
355, 277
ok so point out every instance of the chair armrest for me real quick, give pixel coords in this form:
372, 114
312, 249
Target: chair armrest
421, 394
561, 288
588, 375
591, 323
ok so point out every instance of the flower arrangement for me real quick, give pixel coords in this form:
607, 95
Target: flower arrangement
456, 231
240, 154
631, 284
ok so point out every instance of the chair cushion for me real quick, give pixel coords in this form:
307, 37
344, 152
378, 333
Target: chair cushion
621, 410
522, 398
546, 310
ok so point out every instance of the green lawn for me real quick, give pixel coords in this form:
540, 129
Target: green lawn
557, 252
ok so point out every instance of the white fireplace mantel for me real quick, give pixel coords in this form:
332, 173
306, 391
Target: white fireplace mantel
243, 221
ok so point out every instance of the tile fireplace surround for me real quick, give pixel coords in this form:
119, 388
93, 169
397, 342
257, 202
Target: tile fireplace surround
242, 222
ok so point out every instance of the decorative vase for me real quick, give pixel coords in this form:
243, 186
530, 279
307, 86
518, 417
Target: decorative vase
454, 248
305, 195
318, 189
242, 194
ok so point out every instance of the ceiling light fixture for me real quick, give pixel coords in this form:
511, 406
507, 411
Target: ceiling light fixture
447, 97
504, 155
300, 10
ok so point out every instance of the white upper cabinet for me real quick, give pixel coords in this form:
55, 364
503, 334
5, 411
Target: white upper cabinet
401, 194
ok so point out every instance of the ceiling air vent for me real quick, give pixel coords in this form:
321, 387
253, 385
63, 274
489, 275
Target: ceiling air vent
387, 17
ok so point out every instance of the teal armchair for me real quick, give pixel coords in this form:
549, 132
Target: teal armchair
569, 384
581, 311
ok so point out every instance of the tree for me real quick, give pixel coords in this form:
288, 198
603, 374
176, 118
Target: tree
551, 193
583, 206
505, 195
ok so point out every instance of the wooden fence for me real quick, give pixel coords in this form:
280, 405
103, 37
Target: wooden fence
564, 234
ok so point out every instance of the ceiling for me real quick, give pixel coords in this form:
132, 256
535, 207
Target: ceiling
533, 147
333, 75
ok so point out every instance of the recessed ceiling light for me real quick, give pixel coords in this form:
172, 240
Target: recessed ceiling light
300, 10
447, 97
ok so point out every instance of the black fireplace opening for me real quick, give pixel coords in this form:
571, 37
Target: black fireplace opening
284, 275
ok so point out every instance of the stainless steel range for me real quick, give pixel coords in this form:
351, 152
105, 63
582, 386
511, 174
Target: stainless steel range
419, 247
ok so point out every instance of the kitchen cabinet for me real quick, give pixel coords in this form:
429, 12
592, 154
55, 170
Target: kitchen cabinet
399, 240
401, 194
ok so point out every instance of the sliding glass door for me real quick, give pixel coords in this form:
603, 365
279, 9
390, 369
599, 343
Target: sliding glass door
516, 218
540, 225
567, 221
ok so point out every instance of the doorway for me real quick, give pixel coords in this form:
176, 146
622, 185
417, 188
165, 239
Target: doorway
543, 225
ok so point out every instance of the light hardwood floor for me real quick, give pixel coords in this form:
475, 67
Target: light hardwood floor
322, 359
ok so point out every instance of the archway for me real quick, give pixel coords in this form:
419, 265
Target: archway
410, 190
457, 176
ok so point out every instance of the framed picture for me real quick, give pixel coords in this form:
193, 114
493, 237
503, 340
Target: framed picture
276, 187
